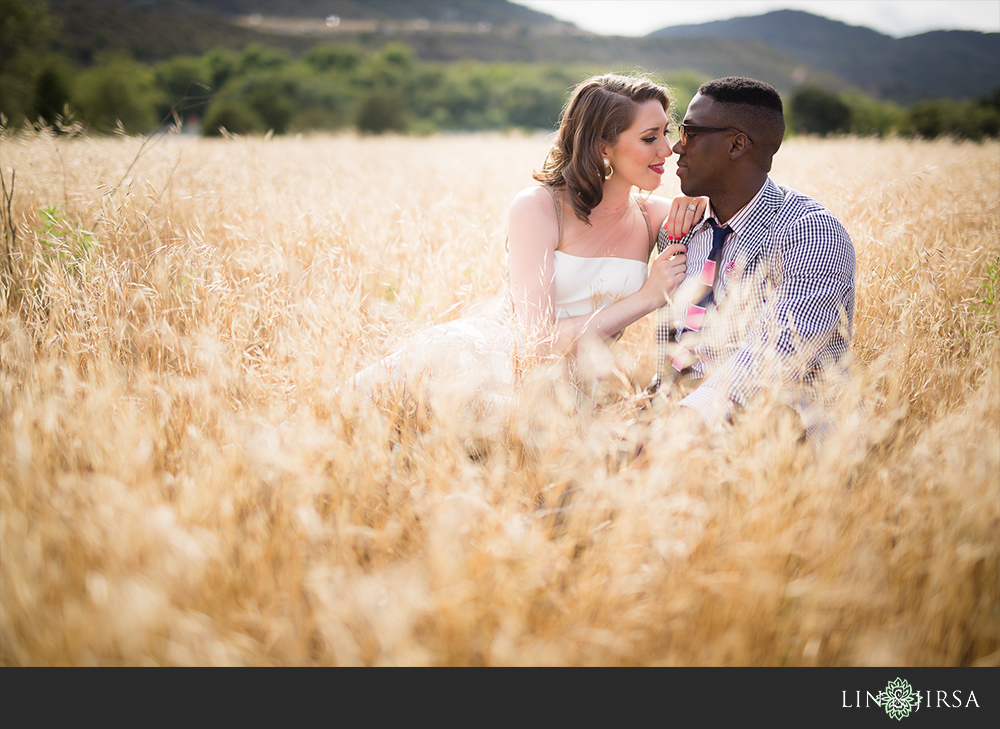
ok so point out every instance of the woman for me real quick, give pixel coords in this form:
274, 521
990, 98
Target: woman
578, 252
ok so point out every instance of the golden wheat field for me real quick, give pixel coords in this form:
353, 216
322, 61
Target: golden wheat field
165, 305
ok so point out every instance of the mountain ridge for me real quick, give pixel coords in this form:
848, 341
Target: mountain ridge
947, 63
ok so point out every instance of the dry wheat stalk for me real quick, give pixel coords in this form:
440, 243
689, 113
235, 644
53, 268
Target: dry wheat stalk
157, 330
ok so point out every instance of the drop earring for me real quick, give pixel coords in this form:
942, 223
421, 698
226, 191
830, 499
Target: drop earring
608, 169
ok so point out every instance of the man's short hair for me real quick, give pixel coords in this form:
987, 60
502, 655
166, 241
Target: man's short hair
753, 106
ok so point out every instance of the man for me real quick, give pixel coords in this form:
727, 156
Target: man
772, 306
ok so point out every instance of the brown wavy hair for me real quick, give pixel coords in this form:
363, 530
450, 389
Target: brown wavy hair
599, 109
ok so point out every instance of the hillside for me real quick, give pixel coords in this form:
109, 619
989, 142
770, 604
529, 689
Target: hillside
474, 11
786, 48
152, 30
494, 31
958, 64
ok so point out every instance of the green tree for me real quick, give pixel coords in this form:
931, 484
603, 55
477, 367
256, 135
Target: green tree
529, 103
323, 101
929, 118
233, 115
328, 57
185, 84
391, 68
533, 97
26, 30
53, 89
818, 111
385, 80
870, 117
258, 57
381, 112
453, 96
983, 117
220, 65
118, 89
971, 119
272, 95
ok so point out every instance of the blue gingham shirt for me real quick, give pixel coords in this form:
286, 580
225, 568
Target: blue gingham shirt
784, 292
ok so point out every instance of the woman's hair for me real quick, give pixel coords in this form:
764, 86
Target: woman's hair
599, 109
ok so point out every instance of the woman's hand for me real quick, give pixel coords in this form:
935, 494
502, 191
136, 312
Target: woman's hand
681, 218
666, 273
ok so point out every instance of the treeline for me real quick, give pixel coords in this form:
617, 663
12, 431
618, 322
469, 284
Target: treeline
261, 89
818, 111
331, 87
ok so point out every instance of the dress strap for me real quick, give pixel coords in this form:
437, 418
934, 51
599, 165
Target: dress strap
649, 228
555, 199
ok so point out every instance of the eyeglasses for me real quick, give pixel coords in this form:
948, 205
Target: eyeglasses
685, 130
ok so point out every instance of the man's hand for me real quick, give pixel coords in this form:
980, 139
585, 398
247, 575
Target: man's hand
683, 430
687, 427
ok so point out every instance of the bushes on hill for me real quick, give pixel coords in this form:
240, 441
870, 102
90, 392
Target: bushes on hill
331, 87
818, 111
234, 116
186, 82
971, 120
53, 88
26, 30
118, 91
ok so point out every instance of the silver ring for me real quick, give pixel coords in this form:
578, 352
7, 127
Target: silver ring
692, 207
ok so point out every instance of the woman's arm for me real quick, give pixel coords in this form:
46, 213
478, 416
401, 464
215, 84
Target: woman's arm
533, 234
532, 240
666, 273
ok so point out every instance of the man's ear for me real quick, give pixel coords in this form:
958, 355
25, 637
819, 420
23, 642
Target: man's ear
740, 145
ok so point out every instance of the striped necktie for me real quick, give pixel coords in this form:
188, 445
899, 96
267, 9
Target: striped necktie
687, 338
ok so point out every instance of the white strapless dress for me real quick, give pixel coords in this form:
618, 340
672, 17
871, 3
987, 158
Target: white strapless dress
476, 359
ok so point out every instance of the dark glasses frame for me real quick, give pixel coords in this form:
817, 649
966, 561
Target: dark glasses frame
684, 129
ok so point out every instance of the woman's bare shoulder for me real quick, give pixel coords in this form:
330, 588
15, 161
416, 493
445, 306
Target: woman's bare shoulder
533, 199
533, 216
657, 208
533, 204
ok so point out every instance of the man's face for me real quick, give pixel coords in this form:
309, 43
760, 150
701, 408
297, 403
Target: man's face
703, 163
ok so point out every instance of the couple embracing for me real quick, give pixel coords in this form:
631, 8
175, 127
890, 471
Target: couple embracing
752, 283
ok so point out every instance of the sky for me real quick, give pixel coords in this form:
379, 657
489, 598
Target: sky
897, 18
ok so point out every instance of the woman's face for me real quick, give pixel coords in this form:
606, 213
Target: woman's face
641, 150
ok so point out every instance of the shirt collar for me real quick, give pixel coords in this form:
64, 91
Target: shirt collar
738, 221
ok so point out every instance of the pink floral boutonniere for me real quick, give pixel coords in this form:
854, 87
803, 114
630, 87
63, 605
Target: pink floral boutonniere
732, 272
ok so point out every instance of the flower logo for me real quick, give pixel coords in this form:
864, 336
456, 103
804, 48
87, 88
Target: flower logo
899, 699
